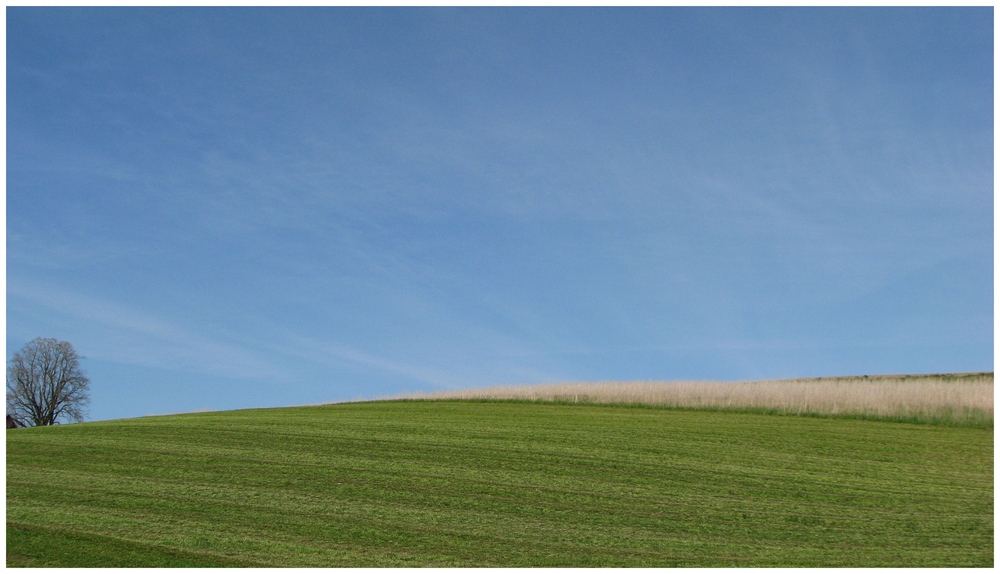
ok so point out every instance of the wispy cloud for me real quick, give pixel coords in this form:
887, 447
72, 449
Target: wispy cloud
120, 333
335, 355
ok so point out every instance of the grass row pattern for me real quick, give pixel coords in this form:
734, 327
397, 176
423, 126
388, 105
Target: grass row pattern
461, 483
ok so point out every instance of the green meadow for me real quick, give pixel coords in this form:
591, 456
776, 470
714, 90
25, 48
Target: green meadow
503, 484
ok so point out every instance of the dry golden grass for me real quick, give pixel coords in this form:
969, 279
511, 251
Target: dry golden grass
956, 398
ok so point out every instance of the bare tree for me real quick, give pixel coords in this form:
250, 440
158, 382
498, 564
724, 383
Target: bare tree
45, 383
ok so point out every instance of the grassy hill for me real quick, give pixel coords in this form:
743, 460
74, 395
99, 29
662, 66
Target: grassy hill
467, 483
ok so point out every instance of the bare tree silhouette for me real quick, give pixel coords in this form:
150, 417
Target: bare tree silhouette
45, 384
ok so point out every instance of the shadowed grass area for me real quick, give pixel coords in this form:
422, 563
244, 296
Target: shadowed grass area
415, 483
51, 547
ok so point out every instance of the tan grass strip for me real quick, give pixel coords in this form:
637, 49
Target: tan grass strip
950, 396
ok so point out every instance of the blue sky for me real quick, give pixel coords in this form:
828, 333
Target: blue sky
233, 208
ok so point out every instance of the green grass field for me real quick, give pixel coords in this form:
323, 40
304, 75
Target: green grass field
459, 483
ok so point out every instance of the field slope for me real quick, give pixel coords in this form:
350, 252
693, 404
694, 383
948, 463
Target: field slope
464, 483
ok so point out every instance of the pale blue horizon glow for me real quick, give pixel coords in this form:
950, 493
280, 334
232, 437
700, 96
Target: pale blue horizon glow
255, 207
